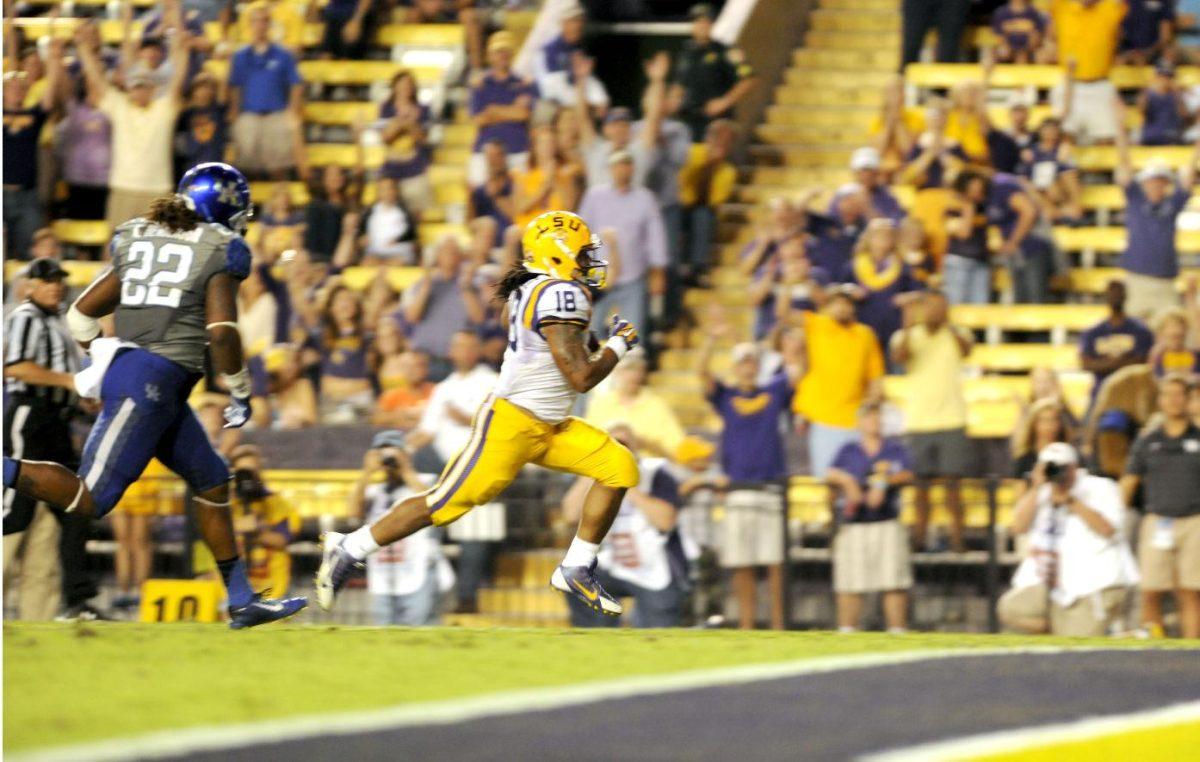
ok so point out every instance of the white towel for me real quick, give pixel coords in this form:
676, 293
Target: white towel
102, 351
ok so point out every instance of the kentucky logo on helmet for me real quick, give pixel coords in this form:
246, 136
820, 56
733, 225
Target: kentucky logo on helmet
219, 193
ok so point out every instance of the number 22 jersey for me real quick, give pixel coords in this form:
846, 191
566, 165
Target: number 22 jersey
164, 281
529, 376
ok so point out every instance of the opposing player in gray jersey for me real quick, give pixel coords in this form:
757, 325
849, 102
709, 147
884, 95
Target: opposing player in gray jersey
173, 292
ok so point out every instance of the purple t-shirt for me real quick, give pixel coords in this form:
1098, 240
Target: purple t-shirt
1150, 248
1018, 27
1142, 25
935, 176
999, 204
501, 92
1107, 340
86, 142
404, 169
832, 242
892, 458
878, 309
884, 203
752, 442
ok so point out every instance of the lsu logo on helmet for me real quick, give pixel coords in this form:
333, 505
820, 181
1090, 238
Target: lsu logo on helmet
561, 245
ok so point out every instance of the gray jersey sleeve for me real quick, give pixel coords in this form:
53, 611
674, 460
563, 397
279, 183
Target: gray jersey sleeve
164, 278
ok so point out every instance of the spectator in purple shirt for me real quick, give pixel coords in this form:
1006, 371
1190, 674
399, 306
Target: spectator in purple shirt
349, 26
1020, 28
884, 282
787, 283
555, 55
85, 147
201, 133
753, 457
266, 97
834, 238
865, 163
870, 550
22, 128
1147, 32
1164, 113
629, 220
501, 106
406, 126
493, 198
1116, 341
1153, 202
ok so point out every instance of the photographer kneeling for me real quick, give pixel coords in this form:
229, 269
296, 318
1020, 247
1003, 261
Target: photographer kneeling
1078, 569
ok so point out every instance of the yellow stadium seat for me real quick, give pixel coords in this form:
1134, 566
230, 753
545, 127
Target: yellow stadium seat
1100, 158
1024, 357
400, 278
83, 232
422, 35
344, 154
1028, 317
340, 112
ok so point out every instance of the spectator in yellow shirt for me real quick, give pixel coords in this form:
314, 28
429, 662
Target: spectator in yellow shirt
1087, 32
705, 182
264, 521
628, 400
844, 370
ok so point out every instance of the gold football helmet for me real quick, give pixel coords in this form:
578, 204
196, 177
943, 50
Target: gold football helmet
561, 245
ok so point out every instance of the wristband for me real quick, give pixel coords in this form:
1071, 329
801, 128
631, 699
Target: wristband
238, 383
618, 345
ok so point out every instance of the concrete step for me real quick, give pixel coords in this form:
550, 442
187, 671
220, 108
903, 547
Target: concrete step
859, 116
775, 134
524, 601
861, 5
835, 78
839, 40
799, 178
804, 95
829, 20
858, 60
799, 155
526, 569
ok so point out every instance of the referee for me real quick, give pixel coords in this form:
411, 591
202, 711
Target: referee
40, 360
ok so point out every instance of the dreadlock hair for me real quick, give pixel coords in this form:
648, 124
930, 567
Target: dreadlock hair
173, 213
516, 277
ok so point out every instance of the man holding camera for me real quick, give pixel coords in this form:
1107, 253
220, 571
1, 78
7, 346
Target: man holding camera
265, 523
403, 578
1165, 463
1078, 568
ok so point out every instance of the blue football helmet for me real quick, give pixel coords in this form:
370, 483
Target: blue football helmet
218, 193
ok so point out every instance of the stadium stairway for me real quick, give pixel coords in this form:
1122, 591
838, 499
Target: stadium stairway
821, 111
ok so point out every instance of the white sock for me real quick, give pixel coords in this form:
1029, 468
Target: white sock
581, 553
360, 543
844, 630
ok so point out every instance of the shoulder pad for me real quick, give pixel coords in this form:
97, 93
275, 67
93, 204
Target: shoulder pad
237, 258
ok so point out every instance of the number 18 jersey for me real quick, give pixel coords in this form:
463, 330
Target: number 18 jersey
529, 376
164, 280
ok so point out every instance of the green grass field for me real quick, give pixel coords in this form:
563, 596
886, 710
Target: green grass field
73, 683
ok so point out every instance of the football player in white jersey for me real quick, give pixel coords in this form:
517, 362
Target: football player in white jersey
550, 359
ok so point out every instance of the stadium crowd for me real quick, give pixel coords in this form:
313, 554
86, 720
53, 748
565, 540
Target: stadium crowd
847, 285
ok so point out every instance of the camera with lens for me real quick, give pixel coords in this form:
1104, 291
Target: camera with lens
248, 485
389, 461
1056, 472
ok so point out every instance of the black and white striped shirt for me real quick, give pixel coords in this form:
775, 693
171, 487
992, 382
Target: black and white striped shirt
33, 335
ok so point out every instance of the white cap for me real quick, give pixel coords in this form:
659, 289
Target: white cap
747, 350
865, 158
1155, 169
1059, 453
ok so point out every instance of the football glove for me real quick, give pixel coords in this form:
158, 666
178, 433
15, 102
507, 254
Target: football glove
622, 336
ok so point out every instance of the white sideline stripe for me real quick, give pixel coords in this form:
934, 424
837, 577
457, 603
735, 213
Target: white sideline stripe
168, 743
1020, 739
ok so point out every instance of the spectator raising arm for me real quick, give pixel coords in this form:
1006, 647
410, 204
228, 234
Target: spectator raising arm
180, 49
1123, 173
654, 99
93, 70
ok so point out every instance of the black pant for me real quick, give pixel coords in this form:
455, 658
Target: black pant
948, 16
36, 430
85, 202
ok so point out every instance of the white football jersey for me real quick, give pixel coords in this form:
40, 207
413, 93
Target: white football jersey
529, 376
